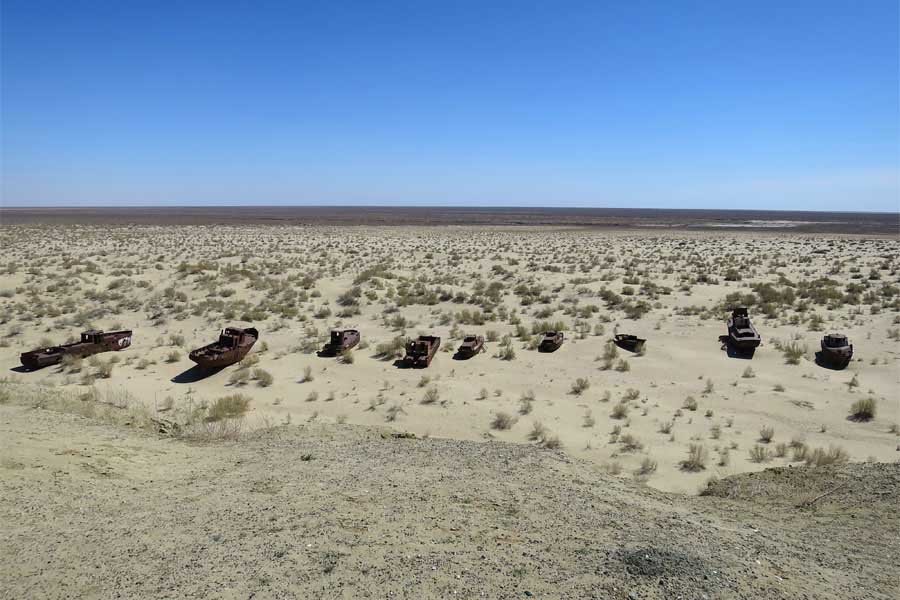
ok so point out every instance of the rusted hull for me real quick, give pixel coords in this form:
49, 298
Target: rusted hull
838, 358
629, 342
743, 342
214, 356
44, 357
208, 358
418, 359
335, 349
38, 359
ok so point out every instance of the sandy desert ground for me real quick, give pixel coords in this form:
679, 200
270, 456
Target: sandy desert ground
682, 412
321, 510
515, 473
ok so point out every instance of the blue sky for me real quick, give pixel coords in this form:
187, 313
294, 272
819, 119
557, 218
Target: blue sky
756, 105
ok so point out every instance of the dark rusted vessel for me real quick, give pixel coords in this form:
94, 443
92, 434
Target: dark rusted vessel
471, 345
837, 350
421, 350
91, 342
233, 345
551, 341
341, 340
632, 343
742, 335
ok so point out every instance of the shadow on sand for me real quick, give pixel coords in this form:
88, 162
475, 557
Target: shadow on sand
24, 369
733, 352
194, 374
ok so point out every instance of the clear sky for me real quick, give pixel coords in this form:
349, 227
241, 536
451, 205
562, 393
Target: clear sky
788, 104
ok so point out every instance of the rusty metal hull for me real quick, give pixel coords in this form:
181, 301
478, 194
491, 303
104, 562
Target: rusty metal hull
420, 352
97, 343
223, 352
632, 343
341, 341
471, 346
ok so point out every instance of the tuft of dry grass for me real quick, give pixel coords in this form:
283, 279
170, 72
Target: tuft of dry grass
696, 458
503, 421
228, 407
863, 409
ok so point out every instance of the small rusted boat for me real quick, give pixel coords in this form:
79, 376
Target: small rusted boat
91, 342
632, 343
742, 335
421, 350
551, 341
471, 345
341, 340
233, 345
837, 350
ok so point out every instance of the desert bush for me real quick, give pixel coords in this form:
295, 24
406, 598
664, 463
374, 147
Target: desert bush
619, 411
176, 340
307, 374
666, 427
748, 373
760, 454
696, 458
105, 369
793, 352
173, 357
502, 421
648, 466
800, 452
393, 412
391, 349
766, 433
239, 377
622, 366
631, 394
781, 450
263, 378
863, 409
228, 407
835, 455
248, 361
630, 443
580, 385
431, 396
346, 357
538, 432
506, 352
690, 403
551, 442
525, 402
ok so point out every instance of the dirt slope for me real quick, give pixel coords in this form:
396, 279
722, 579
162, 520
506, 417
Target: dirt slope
91, 511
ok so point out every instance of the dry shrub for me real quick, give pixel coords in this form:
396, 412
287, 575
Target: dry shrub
835, 455
863, 409
228, 407
696, 458
503, 421
760, 454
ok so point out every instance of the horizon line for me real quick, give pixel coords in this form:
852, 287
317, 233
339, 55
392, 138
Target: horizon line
435, 206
